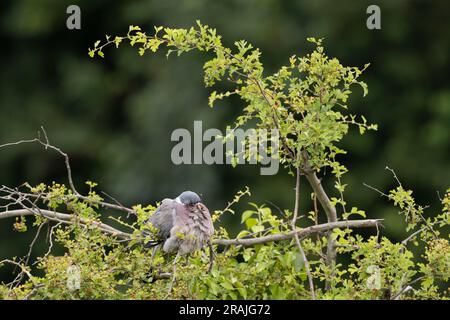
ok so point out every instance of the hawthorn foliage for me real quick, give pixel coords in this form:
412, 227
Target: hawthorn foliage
306, 101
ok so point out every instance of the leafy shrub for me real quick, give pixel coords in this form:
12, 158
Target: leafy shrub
270, 258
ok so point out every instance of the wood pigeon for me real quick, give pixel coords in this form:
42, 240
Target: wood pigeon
183, 224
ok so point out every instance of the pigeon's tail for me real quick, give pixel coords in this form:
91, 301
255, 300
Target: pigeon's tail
152, 242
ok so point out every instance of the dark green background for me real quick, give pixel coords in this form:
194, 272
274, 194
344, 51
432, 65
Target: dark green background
114, 116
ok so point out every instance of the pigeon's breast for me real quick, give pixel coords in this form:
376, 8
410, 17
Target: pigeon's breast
194, 230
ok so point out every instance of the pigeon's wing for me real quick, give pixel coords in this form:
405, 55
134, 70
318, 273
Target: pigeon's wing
207, 225
163, 218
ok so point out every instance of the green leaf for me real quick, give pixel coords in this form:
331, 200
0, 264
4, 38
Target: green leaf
242, 234
247, 214
227, 285
257, 228
242, 291
251, 222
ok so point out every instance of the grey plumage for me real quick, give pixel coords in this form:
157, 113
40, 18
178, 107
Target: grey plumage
183, 224
163, 218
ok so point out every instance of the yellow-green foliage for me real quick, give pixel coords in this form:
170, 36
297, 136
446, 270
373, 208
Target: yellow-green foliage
306, 101
111, 268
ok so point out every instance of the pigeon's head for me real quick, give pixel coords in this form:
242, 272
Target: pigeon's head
189, 198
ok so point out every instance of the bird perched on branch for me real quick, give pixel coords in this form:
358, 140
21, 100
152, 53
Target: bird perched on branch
183, 225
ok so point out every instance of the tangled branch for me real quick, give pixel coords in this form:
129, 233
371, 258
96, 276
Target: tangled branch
303, 232
17, 202
65, 218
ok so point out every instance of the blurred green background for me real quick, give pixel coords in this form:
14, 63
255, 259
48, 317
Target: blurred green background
114, 116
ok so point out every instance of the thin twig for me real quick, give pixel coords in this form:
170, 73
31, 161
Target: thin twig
395, 176
299, 245
50, 237
23, 268
120, 204
33, 242
19, 277
375, 189
46, 144
418, 232
403, 290
270, 228
66, 219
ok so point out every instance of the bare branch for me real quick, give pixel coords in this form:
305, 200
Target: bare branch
107, 205
297, 240
395, 176
411, 236
121, 206
30, 250
50, 238
325, 202
65, 219
23, 268
300, 232
20, 276
45, 143
71, 219
406, 288
375, 189
329, 209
